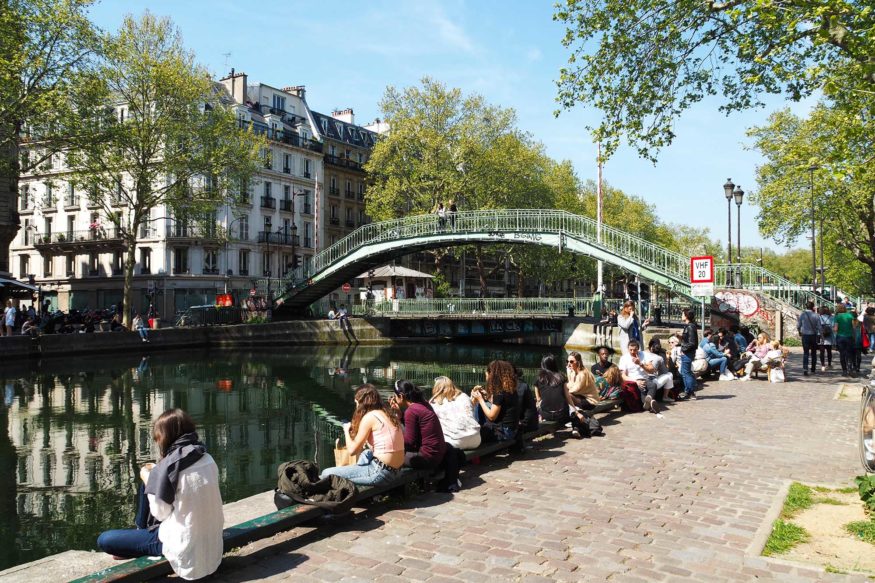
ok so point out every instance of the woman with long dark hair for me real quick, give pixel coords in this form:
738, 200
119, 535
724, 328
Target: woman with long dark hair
689, 343
496, 404
424, 444
180, 507
374, 423
554, 401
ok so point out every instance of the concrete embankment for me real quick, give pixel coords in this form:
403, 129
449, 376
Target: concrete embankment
276, 333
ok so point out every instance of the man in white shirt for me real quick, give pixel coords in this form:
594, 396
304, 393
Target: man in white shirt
636, 368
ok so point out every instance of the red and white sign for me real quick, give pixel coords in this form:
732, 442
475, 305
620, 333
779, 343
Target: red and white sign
346, 288
702, 275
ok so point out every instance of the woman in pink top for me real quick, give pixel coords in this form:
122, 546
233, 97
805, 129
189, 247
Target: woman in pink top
757, 351
373, 423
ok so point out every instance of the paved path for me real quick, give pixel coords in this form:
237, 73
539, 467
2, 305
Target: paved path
674, 499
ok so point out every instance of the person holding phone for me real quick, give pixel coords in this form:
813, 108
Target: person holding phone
179, 511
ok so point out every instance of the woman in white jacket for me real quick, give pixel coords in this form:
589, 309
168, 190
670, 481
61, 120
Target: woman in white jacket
456, 415
180, 508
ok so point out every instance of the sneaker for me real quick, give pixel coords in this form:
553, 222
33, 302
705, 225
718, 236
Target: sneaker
575, 434
681, 397
805, 373
654, 406
648, 403
693, 397
745, 378
727, 376
823, 369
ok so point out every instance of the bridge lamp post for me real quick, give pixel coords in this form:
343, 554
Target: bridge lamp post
227, 257
727, 192
811, 170
738, 195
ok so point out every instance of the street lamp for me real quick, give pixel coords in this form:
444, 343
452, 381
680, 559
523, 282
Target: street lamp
738, 195
727, 192
811, 170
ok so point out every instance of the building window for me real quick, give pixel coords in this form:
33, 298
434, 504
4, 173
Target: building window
287, 163
71, 223
145, 260
93, 264
268, 189
307, 260
27, 230
268, 224
71, 265
244, 196
308, 235
334, 211
211, 261
47, 230
72, 197
287, 263
361, 217
244, 228
265, 264
279, 102
23, 266
243, 262
49, 200
361, 158
117, 263
287, 192
48, 260
306, 167
24, 196
267, 158
332, 150
180, 260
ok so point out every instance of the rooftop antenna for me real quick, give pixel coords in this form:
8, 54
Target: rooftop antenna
227, 59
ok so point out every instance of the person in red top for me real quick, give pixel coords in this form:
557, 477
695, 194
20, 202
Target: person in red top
424, 443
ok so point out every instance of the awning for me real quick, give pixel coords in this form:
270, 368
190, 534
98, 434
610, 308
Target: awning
11, 288
393, 271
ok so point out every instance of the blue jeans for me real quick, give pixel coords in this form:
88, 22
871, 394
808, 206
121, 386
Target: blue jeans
131, 543
144, 333
687, 374
809, 349
846, 353
366, 472
721, 362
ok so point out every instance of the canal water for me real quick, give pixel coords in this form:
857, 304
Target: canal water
74, 431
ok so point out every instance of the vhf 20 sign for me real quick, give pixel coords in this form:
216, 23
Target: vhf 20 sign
702, 275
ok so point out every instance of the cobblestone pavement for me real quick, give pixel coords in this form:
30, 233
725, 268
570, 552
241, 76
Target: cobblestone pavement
674, 499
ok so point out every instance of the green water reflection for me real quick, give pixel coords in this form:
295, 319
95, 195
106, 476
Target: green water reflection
74, 432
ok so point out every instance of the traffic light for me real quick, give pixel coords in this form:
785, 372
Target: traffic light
645, 292
632, 291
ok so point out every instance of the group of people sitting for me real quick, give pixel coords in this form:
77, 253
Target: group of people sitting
410, 429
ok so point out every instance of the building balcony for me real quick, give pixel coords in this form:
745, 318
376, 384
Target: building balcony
350, 223
180, 270
349, 194
191, 232
283, 136
71, 204
307, 208
334, 221
268, 202
211, 271
273, 238
286, 205
307, 174
342, 162
361, 196
333, 190
91, 239
308, 243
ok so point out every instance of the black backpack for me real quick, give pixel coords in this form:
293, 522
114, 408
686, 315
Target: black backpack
298, 482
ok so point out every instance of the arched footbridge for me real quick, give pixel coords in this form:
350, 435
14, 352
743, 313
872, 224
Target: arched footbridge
376, 244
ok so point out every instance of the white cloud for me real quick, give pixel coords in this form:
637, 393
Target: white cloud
534, 54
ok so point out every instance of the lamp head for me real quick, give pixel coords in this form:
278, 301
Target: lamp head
738, 194
727, 188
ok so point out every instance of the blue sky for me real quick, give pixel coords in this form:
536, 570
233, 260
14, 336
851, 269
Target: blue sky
346, 53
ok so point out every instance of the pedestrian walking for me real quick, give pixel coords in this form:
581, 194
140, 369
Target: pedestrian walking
808, 326
9, 317
826, 337
843, 329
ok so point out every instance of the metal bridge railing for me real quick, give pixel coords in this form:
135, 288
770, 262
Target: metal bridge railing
535, 221
754, 277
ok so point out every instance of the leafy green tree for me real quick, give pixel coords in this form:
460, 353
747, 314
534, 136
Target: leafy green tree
821, 167
43, 43
156, 132
644, 62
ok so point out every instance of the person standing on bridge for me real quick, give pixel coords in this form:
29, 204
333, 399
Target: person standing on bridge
452, 214
442, 215
808, 326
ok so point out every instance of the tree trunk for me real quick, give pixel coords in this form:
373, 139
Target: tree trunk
131, 240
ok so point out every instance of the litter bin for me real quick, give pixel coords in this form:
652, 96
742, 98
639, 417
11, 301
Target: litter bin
154, 323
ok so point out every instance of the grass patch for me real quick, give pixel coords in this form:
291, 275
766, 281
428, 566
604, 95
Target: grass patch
828, 500
862, 529
823, 489
785, 536
848, 490
799, 497
830, 569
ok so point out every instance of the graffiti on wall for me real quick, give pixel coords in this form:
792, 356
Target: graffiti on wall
745, 304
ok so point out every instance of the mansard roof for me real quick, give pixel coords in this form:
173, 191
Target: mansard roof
341, 131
